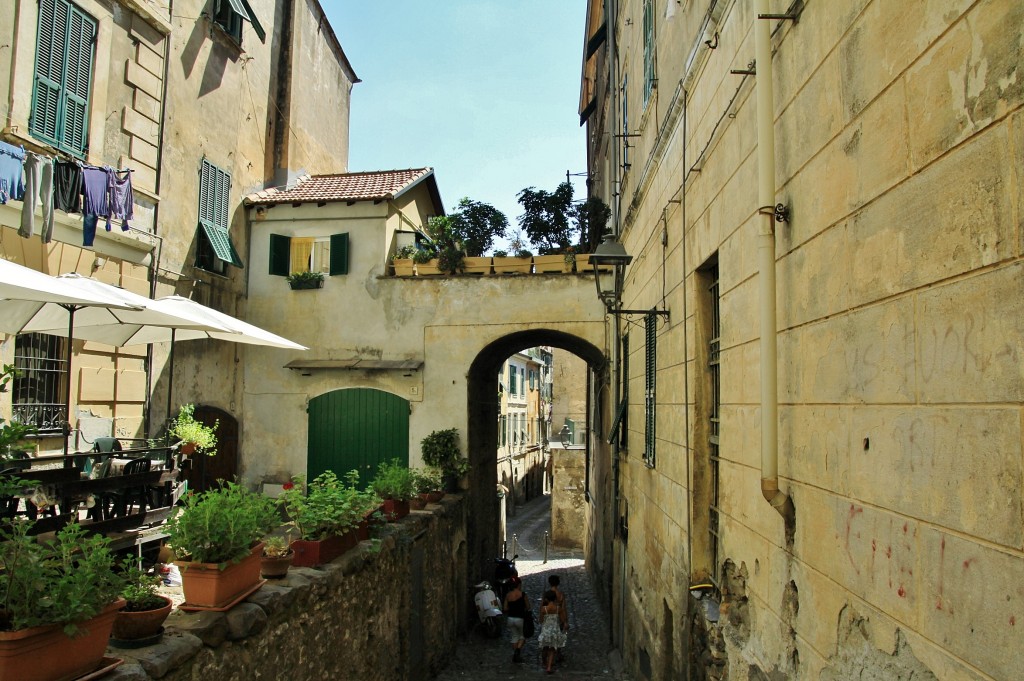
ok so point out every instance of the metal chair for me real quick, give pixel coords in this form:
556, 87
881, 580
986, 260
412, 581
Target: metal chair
121, 501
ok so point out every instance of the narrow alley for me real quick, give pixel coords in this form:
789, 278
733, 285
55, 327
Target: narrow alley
586, 655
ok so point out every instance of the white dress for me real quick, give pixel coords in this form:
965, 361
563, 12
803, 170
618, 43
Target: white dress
551, 636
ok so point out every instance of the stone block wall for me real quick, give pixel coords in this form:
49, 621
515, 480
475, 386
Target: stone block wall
388, 609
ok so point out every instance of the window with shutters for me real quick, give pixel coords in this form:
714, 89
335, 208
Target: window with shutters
650, 77
215, 250
65, 47
294, 254
229, 15
650, 396
512, 374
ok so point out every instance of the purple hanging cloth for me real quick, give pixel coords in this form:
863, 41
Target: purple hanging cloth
96, 203
121, 197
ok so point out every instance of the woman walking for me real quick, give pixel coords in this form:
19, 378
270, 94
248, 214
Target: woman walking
551, 638
515, 607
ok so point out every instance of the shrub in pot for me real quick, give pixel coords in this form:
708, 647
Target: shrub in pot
277, 557
326, 515
395, 484
440, 449
58, 600
305, 280
216, 534
429, 484
194, 436
145, 610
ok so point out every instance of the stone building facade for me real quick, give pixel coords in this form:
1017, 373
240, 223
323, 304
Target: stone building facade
198, 103
885, 300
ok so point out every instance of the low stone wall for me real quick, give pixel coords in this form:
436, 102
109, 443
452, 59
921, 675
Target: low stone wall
389, 609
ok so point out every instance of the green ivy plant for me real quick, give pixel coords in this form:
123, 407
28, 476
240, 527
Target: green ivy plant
394, 481
66, 581
221, 525
330, 505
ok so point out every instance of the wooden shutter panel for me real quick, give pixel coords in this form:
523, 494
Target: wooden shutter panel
78, 76
339, 254
280, 255
50, 44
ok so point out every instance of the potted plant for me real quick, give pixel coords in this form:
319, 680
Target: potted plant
425, 260
59, 601
216, 537
326, 515
12, 433
277, 557
521, 262
145, 610
474, 226
402, 260
440, 449
429, 485
193, 435
300, 281
396, 485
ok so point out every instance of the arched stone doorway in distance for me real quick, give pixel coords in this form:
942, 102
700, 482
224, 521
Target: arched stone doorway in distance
482, 436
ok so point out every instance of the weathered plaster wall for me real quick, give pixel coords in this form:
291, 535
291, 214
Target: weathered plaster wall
568, 503
389, 609
898, 149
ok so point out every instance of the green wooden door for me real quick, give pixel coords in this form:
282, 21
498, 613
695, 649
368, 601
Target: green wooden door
356, 428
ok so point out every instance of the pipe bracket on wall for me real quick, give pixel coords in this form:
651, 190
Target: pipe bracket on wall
781, 212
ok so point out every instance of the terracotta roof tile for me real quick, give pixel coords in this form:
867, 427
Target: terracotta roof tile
374, 185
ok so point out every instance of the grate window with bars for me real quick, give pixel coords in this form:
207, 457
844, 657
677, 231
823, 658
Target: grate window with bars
41, 383
715, 374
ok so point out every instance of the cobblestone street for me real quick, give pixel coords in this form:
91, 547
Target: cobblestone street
587, 653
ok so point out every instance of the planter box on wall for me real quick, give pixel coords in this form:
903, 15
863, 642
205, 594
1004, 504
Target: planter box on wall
306, 285
310, 553
512, 265
477, 265
543, 264
403, 267
583, 264
207, 586
395, 509
48, 654
426, 268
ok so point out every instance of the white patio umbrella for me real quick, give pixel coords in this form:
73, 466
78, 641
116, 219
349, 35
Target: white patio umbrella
121, 315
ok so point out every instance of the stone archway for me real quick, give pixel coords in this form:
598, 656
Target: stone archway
481, 434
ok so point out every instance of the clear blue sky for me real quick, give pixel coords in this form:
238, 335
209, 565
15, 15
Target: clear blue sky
484, 91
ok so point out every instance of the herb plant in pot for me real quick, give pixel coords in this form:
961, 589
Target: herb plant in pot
402, 260
277, 557
326, 516
142, 618
440, 449
303, 281
58, 600
194, 435
429, 485
216, 537
396, 485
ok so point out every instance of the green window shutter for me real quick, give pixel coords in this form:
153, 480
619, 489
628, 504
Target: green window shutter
280, 255
512, 380
339, 254
64, 61
214, 210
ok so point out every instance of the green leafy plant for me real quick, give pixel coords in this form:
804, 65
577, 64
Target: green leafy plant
276, 547
423, 255
190, 431
554, 222
394, 481
405, 252
307, 279
66, 581
475, 225
427, 479
330, 506
12, 433
501, 254
221, 525
140, 587
440, 449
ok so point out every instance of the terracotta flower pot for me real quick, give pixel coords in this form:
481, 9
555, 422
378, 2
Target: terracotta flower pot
435, 496
418, 502
310, 553
512, 265
474, 265
551, 263
134, 625
427, 268
207, 586
276, 567
187, 448
395, 509
48, 654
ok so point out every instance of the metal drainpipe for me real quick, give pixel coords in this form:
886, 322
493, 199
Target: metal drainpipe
766, 258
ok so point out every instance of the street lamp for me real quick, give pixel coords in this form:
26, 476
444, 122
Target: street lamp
609, 261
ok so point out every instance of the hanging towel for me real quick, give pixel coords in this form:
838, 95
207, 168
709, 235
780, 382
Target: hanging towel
67, 186
95, 202
38, 186
121, 197
11, 184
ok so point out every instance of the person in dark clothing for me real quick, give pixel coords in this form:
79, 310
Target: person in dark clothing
515, 607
